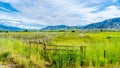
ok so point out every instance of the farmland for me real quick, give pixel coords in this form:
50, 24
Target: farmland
26, 49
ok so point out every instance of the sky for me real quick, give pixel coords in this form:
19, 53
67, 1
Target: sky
36, 14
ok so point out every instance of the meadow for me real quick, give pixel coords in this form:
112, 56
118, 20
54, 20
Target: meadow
102, 50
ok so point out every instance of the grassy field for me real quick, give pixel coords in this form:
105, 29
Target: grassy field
102, 50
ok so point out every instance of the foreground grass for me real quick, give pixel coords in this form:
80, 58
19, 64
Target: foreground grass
16, 52
97, 44
102, 50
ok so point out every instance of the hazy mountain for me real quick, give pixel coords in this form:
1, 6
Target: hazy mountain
56, 27
9, 25
4, 27
110, 23
61, 27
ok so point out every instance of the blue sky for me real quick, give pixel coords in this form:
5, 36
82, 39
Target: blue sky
36, 14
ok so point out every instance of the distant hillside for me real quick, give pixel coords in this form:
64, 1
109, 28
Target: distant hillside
9, 25
61, 27
110, 23
3, 27
56, 27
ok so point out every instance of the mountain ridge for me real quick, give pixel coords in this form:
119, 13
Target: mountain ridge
11, 28
61, 27
109, 23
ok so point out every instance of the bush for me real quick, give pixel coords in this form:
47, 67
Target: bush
3, 56
7, 31
73, 31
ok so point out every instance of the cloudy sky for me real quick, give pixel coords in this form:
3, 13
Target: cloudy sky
36, 14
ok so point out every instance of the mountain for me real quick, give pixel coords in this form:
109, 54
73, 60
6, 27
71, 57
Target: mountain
56, 27
109, 23
3, 27
11, 25
61, 27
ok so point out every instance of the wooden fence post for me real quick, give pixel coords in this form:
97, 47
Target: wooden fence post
45, 45
104, 54
83, 49
30, 48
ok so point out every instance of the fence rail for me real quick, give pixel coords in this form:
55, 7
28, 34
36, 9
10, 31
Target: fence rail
51, 47
47, 47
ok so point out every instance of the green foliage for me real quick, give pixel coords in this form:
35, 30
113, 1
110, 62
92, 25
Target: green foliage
15, 46
73, 31
3, 56
7, 31
26, 30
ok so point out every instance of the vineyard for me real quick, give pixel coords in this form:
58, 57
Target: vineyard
60, 50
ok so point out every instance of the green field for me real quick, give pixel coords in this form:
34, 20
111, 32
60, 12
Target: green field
102, 50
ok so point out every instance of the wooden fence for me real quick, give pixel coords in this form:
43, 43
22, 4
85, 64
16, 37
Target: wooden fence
65, 47
47, 47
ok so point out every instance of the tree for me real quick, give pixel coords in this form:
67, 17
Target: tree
26, 30
1, 31
7, 31
101, 30
73, 31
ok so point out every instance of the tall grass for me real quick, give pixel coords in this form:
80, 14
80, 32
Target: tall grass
97, 44
16, 52
102, 50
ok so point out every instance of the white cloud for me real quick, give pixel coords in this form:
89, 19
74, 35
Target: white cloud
53, 12
20, 21
109, 12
